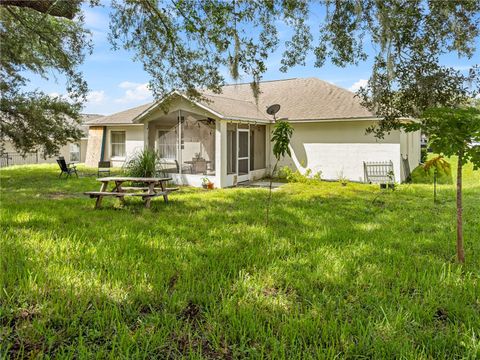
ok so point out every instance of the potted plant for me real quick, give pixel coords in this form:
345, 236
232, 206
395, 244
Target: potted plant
207, 184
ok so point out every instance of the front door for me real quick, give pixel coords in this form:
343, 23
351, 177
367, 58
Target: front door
243, 155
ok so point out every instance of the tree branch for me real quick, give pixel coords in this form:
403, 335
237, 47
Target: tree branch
59, 8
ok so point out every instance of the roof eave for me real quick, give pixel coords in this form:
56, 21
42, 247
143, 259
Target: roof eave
248, 120
112, 124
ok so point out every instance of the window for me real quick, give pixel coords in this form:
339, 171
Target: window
75, 152
118, 143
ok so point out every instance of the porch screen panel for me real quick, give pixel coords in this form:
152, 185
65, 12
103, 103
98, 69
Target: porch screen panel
243, 160
198, 145
231, 152
242, 166
167, 144
243, 144
231, 148
258, 147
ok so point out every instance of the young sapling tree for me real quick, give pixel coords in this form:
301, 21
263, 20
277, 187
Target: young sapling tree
282, 132
454, 131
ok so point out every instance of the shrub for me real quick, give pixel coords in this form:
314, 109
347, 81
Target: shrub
297, 177
423, 155
143, 164
420, 176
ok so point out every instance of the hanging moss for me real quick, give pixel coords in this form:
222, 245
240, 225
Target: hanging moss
234, 59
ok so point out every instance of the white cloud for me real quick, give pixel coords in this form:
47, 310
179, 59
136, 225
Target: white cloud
357, 85
97, 23
134, 92
96, 96
54, 94
95, 19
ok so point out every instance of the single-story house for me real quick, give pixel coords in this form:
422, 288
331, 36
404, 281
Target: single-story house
226, 137
74, 152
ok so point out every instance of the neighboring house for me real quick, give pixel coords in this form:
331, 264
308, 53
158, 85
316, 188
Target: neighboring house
72, 152
226, 137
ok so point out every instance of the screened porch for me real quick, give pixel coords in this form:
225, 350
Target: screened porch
185, 143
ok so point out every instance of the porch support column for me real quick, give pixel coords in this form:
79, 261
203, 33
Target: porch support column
221, 153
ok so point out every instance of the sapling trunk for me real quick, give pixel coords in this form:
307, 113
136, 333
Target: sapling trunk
460, 250
270, 194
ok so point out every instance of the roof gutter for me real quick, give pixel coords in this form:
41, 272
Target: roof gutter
372, 118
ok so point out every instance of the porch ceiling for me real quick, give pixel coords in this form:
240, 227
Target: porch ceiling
170, 119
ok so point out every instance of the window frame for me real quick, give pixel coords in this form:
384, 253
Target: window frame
112, 144
77, 153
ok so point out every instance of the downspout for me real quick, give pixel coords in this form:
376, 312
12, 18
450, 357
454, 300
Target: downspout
104, 138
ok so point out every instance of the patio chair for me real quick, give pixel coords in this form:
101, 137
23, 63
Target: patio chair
65, 168
186, 168
104, 168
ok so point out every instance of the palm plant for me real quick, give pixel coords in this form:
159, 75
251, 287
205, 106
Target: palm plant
436, 163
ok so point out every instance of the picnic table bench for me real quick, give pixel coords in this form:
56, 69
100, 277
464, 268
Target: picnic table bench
154, 187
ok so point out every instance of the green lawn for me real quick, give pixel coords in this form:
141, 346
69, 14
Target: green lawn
348, 272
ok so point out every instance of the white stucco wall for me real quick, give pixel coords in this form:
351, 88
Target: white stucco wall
340, 147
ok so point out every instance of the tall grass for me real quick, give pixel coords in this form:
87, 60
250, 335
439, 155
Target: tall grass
341, 272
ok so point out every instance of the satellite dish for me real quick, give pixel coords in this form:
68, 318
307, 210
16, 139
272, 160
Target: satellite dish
273, 109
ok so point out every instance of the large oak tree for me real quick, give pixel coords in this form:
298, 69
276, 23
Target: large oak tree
185, 44
42, 38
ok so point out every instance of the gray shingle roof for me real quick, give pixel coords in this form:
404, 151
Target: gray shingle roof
122, 117
300, 99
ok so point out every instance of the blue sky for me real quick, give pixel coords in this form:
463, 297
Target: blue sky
117, 83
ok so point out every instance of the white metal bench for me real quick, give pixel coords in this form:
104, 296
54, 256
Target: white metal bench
379, 172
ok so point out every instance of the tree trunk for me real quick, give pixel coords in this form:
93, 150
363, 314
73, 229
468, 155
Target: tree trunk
460, 251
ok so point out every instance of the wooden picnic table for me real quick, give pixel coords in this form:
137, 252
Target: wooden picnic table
153, 187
